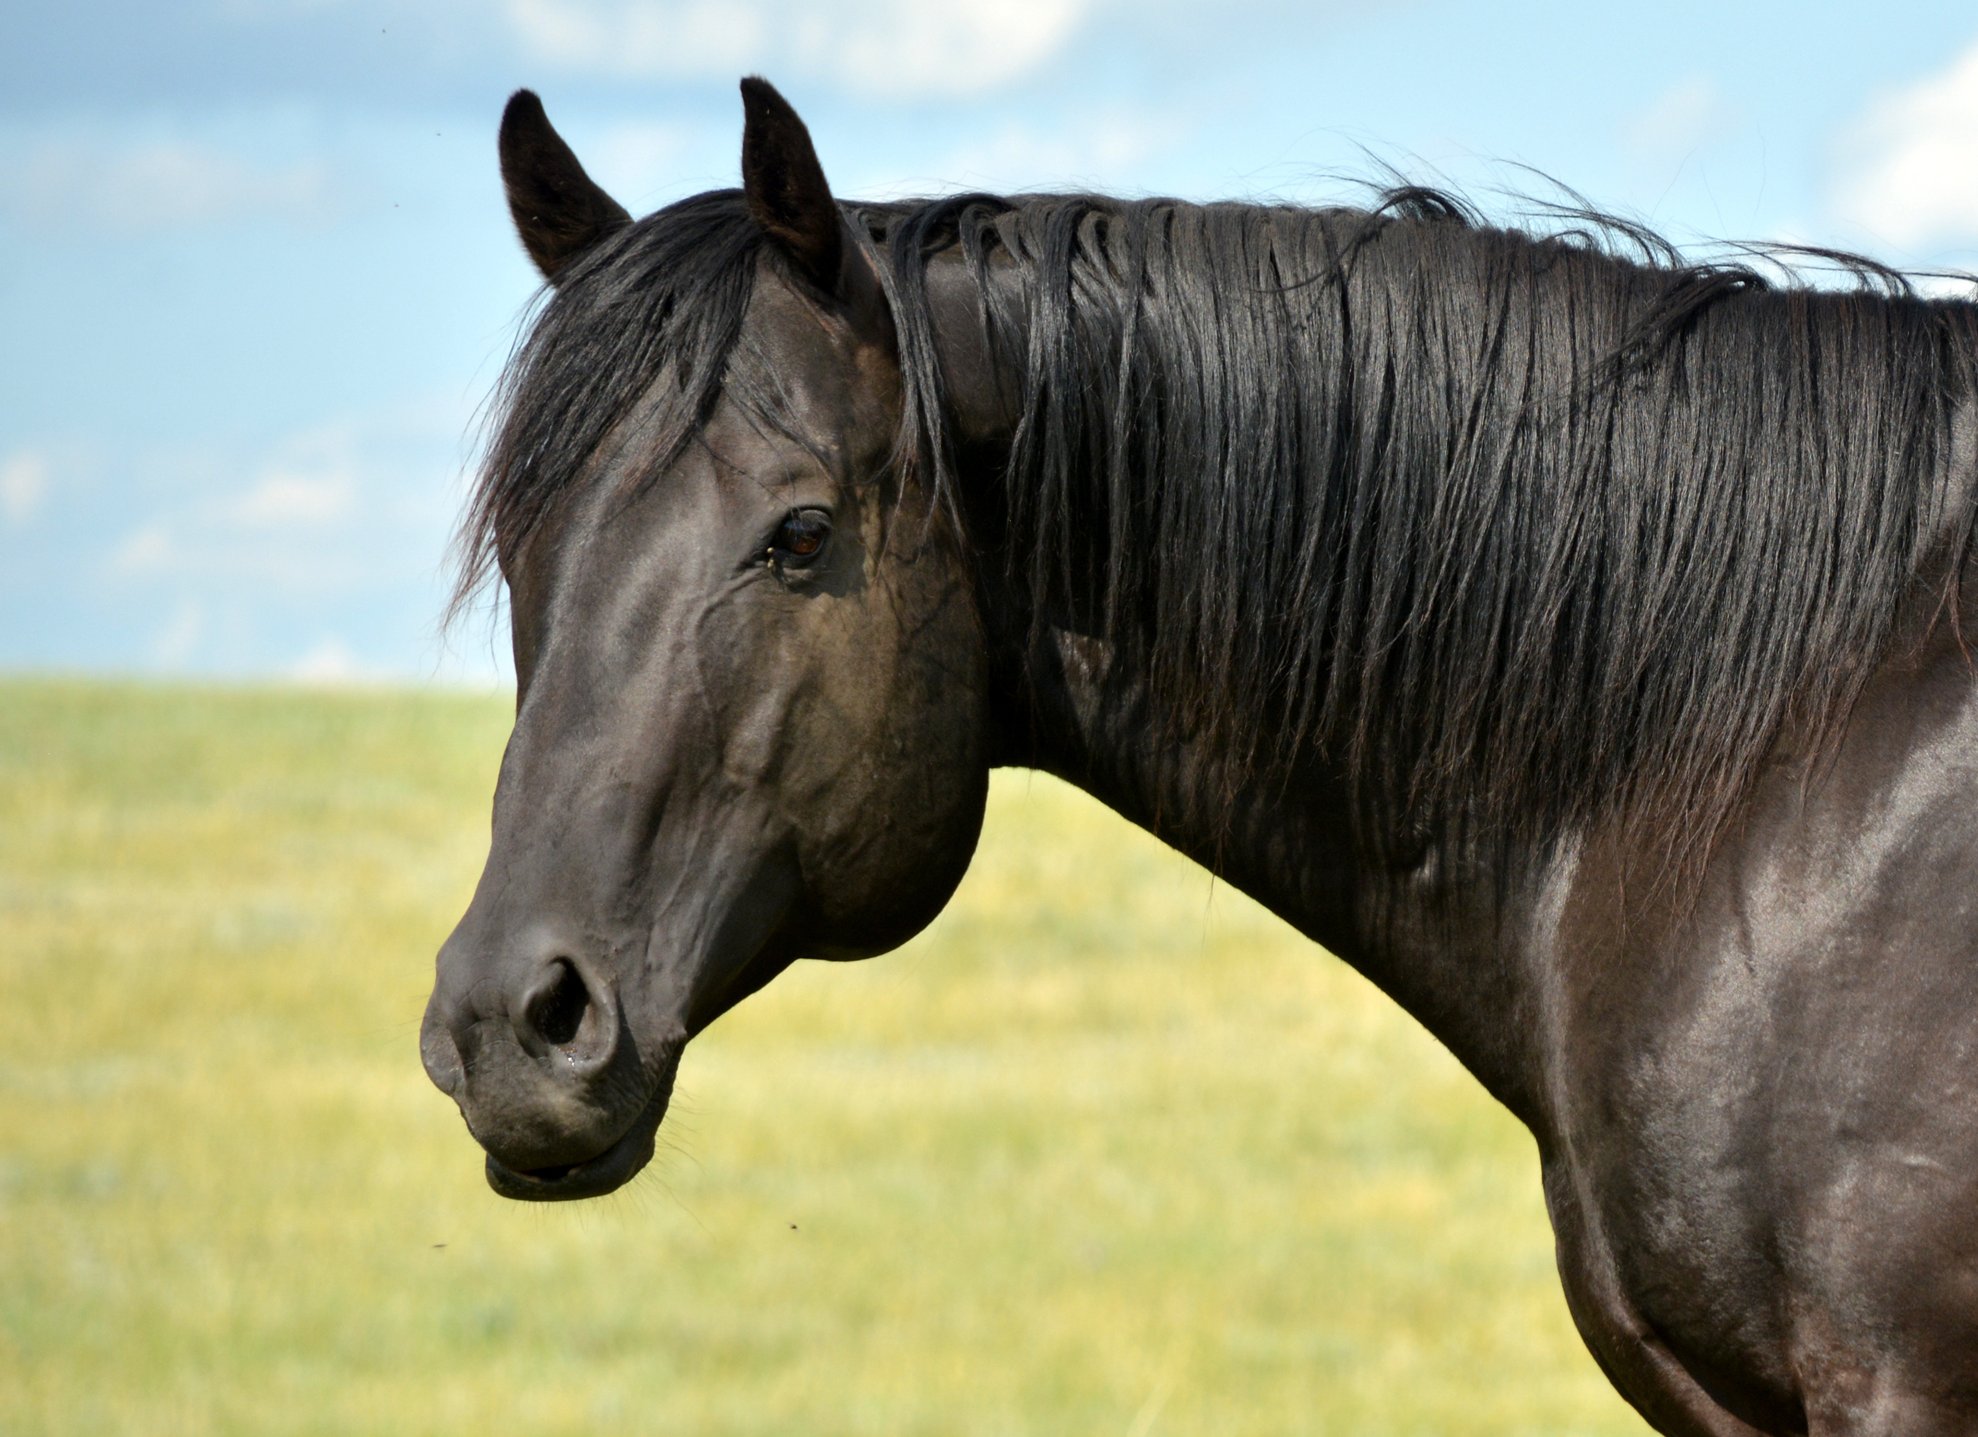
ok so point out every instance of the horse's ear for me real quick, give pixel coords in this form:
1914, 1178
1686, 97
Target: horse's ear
559, 210
785, 185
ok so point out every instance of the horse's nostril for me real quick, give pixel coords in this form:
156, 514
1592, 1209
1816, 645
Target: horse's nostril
557, 1012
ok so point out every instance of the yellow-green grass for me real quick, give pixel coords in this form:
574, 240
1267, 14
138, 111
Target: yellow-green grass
1107, 1150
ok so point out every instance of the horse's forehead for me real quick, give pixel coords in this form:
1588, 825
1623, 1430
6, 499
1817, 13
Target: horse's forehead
835, 378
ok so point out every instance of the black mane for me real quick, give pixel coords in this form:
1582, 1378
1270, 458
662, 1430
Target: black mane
1520, 529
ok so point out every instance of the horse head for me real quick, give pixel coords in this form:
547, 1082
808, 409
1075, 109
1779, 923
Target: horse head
751, 721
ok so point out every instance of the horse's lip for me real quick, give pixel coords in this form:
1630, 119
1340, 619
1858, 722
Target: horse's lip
594, 1176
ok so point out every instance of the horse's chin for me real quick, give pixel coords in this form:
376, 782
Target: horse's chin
595, 1176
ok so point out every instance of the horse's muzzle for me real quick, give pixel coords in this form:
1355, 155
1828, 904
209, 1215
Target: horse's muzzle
546, 1072
609, 1170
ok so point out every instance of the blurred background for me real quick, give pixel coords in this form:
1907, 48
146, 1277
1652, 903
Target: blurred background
1108, 1149
258, 278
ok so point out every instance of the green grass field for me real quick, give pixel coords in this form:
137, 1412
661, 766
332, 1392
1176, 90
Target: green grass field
1106, 1151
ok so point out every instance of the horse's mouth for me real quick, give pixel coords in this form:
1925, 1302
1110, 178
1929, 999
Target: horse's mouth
594, 1176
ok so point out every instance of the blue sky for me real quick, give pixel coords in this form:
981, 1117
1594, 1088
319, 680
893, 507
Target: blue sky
257, 279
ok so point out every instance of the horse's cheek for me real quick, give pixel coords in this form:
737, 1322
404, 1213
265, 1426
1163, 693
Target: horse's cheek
859, 719
885, 780
904, 827
749, 665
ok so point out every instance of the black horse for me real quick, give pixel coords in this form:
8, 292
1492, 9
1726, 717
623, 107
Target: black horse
1567, 636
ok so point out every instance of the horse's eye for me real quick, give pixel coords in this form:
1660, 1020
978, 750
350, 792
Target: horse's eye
800, 537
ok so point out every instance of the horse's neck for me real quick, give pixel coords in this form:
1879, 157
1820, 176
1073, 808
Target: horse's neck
1433, 933
1429, 927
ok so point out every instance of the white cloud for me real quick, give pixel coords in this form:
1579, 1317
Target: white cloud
330, 664
1102, 151
23, 485
1681, 119
89, 179
614, 37
237, 555
902, 46
957, 48
279, 525
177, 640
280, 542
635, 161
144, 552
1909, 168
284, 500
